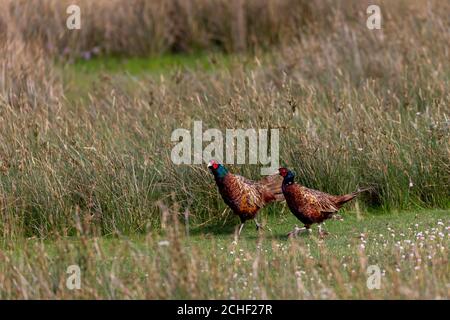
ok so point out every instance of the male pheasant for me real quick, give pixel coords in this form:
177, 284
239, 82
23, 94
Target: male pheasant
246, 197
308, 205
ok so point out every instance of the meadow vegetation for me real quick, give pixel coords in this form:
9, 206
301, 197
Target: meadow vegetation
410, 249
85, 168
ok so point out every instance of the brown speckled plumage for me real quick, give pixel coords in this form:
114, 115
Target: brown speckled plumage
308, 205
244, 196
312, 206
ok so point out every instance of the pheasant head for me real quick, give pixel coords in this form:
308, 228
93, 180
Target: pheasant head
287, 174
217, 169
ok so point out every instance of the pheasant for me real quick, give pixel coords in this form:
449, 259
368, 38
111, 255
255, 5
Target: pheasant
246, 197
311, 206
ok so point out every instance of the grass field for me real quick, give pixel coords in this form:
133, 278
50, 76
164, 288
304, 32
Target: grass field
410, 248
86, 176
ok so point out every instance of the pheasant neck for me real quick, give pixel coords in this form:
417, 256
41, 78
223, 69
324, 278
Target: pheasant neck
289, 178
220, 173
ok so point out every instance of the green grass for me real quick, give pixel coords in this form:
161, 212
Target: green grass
83, 75
157, 65
341, 233
212, 263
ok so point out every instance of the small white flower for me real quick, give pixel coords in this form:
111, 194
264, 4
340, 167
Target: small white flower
163, 243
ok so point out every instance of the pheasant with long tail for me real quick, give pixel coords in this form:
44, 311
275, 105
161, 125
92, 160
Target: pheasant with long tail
311, 206
246, 197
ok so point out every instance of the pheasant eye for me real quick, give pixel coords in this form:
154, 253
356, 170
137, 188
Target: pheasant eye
215, 166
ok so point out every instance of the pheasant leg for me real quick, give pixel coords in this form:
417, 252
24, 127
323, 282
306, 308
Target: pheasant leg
240, 228
297, 231
337, 217
258, 225
322, 233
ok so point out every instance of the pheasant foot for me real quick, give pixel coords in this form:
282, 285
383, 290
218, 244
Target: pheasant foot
297, 231
322, 233
258, 225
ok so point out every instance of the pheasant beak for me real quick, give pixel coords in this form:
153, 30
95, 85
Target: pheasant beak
210, 163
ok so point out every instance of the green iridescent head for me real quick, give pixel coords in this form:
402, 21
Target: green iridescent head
217, 169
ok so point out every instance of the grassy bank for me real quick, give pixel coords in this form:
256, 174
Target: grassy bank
410, 249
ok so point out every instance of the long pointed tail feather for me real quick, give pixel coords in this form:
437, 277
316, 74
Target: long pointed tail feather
361, 190
341, 200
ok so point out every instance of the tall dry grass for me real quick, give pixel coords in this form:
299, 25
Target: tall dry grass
142, 27
354, 106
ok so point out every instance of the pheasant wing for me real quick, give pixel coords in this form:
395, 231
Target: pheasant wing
248, 192
272, 185
321, 200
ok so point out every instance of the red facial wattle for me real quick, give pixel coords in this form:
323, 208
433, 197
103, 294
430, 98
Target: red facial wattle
283, 172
